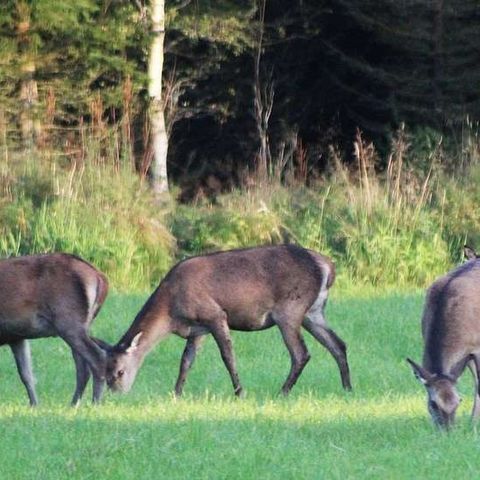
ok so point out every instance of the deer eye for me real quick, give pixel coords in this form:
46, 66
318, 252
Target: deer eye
120, 373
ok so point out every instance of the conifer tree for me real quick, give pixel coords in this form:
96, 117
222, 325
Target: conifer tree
412, 61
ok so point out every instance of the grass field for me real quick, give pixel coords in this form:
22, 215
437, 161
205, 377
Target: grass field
380, 430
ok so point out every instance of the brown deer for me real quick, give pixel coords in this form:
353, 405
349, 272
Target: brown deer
451, 333
249, 289
52, 295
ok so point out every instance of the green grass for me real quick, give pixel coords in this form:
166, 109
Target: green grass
380, 430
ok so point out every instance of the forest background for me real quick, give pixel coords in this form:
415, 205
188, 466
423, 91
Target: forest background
350, 127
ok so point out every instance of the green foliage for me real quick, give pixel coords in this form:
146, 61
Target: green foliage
236, 222
457, 205
307, 219
376, 240
226, 22
399, 229
107, 217
83, 64
383, 249
96, 56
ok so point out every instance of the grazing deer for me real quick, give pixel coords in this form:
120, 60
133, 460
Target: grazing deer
52, 295
249, 289
451, 333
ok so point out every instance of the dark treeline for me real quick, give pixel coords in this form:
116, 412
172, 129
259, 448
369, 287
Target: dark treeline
248, 84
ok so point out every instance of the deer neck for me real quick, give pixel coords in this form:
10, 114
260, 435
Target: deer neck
151, 327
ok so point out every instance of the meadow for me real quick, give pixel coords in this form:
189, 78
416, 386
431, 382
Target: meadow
75, 151
390, 233
379, 430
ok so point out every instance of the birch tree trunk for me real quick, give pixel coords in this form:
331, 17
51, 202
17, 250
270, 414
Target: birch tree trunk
159, 138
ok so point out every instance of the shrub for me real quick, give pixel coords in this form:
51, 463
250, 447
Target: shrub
105, 216
400, 228
236, 221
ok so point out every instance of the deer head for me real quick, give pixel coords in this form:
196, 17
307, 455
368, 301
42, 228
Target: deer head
443, 398
123, 363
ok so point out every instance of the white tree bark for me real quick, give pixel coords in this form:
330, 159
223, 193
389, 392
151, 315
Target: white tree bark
159, 138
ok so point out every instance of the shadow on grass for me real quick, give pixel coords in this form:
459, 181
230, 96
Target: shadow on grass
226, 440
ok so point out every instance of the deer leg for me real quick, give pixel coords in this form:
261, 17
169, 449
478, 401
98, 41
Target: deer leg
83, 375
23, 360
93, 355
188, 357
474, 365
334, 344
221, 334
298, 351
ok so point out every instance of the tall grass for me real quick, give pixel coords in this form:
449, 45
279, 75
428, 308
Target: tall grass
401, 227
100, 212
389, 224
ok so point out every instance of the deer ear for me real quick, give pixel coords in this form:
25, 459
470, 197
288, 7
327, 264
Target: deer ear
469, 252
102, 344
422, 374
134, 343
